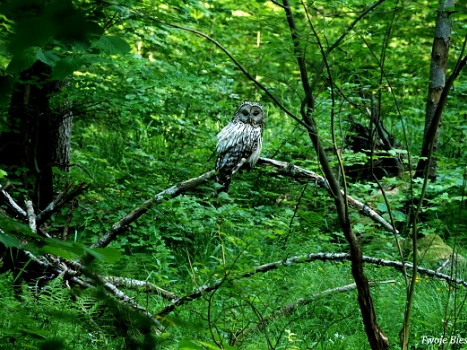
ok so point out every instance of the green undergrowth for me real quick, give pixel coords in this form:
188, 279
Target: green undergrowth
148, 101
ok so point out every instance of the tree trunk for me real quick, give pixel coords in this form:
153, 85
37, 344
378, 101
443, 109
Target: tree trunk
376, 337
439, 57
38, 137
61, 133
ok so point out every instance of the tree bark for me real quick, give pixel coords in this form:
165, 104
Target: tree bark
439, 57
61, 132
376, 337
38, 136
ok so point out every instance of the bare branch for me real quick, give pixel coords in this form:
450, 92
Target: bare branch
31, 216
301, 259
12, 204
74, 204
174, 191
111, 289
53, 267
296, 172
61, 200
276, 3
427, 149
243, 70
171, 192
374, 333
237, 63
443, 265
339, 40
137, 284
125, 299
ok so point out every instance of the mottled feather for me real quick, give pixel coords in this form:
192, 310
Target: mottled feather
239, 142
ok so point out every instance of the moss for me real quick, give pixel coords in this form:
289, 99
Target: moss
432, 249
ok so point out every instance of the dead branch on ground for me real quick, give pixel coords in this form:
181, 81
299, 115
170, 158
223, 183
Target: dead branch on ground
300, 259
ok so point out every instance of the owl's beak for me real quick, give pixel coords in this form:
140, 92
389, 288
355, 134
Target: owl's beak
250, 121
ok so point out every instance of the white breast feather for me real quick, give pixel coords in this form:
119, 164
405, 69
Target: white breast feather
255, 155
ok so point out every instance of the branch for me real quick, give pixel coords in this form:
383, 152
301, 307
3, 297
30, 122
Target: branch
244, 71
296, 172
12, 204
426, 154
66, 228
137, 284
53, 267
123, 299
300, 259
174, 191
61, 200
62, 269
31, 216
344, 256
375, 335
276, 3
338, 41
288, 309
171, 192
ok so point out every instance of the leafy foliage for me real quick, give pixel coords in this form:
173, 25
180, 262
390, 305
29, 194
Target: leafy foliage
148, 101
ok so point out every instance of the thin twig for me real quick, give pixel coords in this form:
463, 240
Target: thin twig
244, 71
288, 309
63, 198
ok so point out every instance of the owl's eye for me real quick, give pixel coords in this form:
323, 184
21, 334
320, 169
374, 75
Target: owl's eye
255, 113
245, 112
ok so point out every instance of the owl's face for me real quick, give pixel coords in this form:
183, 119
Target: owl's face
250, 113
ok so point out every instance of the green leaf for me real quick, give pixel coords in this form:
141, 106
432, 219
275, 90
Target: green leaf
21, 61
9, 241
113, 45
34, 332
398, 215
58, 251
188, 345
72, 247
14, 228
65, 67
47, 57
225, 196
121, 10
109, 255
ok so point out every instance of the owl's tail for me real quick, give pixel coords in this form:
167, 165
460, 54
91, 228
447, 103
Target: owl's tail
225, 174
223, 181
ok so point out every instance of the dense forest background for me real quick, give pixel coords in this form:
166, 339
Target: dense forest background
350, 233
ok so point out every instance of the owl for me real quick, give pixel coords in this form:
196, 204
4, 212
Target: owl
239, 142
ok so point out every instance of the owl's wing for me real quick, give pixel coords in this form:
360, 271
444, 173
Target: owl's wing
234, 148
229, 136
